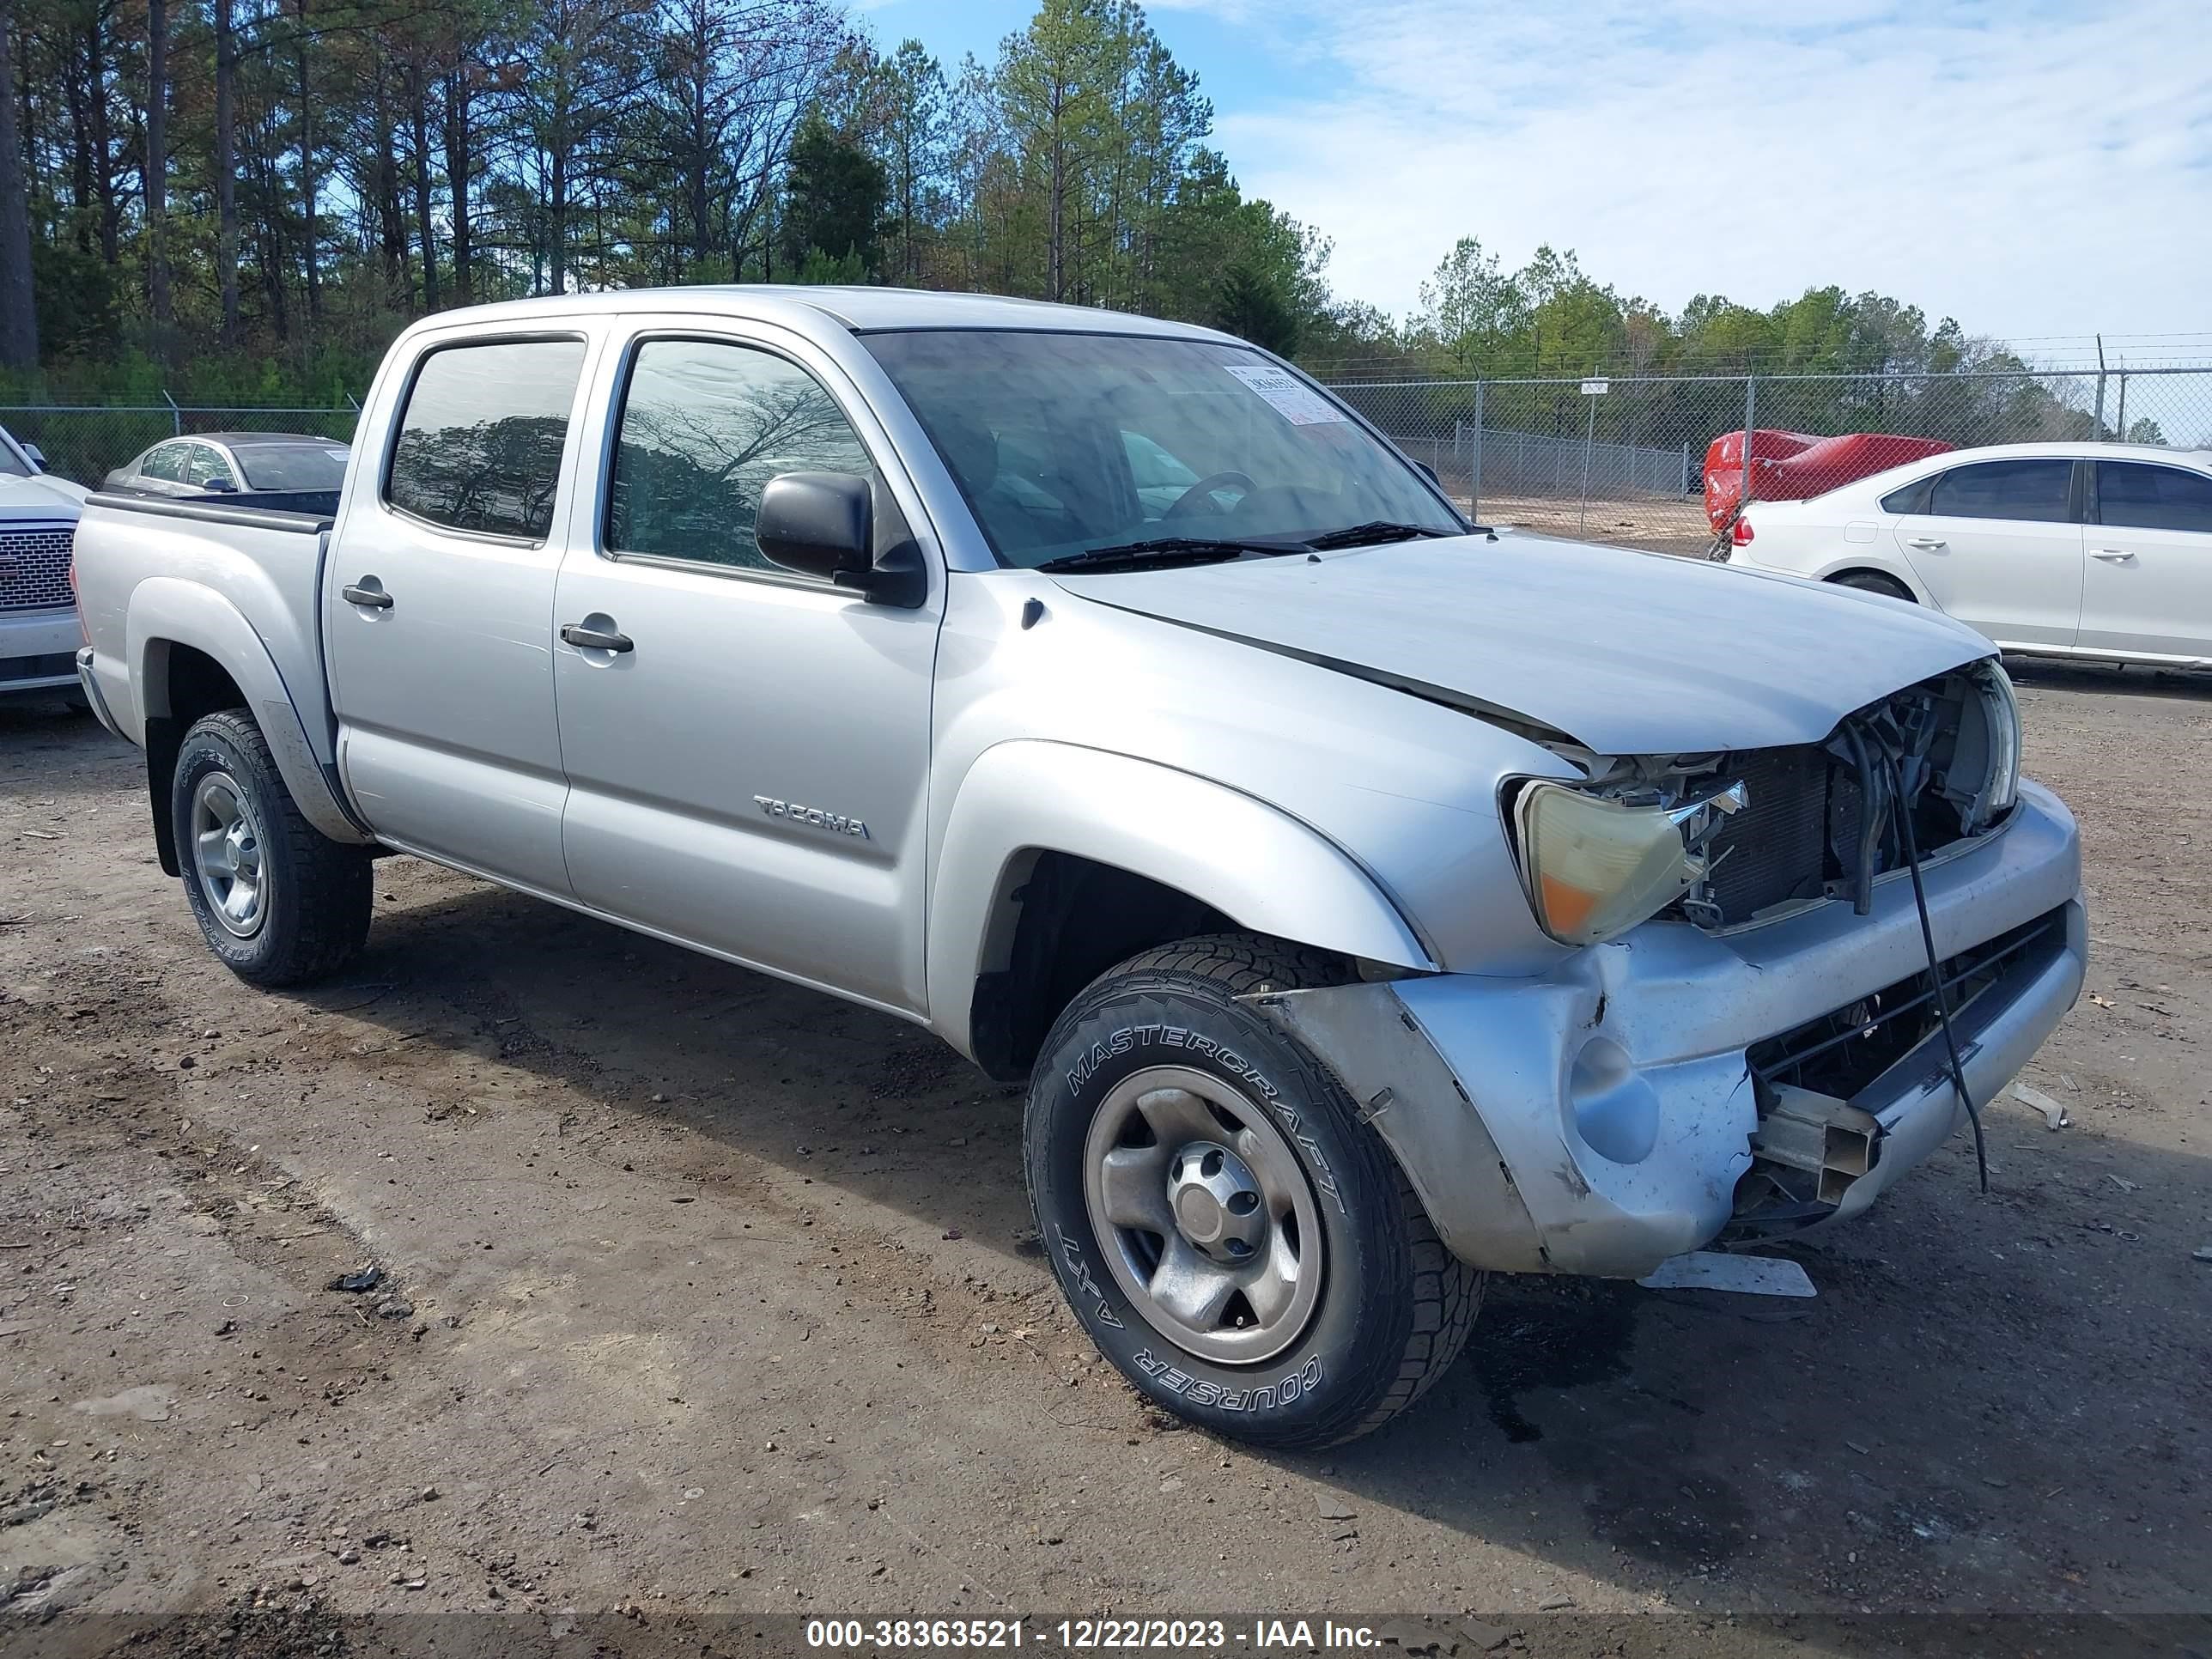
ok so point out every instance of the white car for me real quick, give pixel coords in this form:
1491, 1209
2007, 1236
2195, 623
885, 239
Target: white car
2084, 550
39, 633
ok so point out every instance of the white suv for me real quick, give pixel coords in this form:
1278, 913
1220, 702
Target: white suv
2096, 550
39, 633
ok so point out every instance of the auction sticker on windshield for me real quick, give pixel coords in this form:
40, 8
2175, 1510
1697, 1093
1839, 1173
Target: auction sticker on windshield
1295, 401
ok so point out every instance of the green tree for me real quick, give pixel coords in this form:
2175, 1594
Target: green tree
833, 199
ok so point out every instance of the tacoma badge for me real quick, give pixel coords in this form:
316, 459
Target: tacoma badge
813, 815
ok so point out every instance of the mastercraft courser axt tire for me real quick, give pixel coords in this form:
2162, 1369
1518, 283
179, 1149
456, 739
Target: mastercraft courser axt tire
278, 900
1157, 1074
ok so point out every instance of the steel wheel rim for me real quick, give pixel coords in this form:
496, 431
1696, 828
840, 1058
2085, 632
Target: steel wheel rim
1172, 1158
226, 856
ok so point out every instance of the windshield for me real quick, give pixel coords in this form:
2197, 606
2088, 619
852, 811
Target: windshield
1063, 443
13, 466
292, 466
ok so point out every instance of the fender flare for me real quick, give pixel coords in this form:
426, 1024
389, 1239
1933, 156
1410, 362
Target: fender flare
166, 612
1267, 871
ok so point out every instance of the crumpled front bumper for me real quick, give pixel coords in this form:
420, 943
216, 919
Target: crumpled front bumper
1597, 1120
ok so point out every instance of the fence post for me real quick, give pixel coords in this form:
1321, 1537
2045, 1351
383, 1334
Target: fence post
1750, 416
2120, 427
1589, 440
1475, 477
2099, 433
176, 416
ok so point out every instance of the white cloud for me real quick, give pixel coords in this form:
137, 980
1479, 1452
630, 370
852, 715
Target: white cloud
2030, 171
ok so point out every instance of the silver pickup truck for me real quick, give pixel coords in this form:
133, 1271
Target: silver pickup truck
1369, 900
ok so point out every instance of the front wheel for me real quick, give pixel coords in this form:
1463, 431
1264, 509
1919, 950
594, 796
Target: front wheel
280, 902
1235, 1240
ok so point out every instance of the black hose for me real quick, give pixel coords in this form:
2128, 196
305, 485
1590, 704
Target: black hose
1871, 793
1935, 968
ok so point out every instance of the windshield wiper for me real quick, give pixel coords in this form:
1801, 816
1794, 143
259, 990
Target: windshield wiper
1168, 550
1374, 531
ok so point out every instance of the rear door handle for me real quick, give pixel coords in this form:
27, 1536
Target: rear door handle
596, 638
2112, 554
1925, 544
374, 598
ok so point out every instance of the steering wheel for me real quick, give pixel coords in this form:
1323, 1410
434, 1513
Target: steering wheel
1203, 491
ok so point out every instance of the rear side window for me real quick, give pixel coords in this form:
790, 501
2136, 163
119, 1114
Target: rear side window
705, 425
1913, 498
481, 436
2153, 497
163, 461
2040, 490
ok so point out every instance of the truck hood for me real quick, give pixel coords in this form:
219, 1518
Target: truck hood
42, 498
1623, 652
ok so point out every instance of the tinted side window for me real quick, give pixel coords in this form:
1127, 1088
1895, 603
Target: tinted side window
480, 439
2036, 490
1913, 498
704, 427
2153, 497
163, 461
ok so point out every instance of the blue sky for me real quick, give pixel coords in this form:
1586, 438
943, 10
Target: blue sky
2035, 167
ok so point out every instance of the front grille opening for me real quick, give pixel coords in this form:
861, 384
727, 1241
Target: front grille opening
1799, 838
1843, 1051
34, 567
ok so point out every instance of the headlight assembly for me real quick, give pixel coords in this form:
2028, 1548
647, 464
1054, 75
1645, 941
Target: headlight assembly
1596, 868
2003, 709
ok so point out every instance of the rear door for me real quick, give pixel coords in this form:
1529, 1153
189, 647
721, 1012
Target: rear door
749, 771
2148, 585
1998, 545
438, 605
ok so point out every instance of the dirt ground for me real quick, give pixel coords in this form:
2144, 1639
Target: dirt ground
706, 1301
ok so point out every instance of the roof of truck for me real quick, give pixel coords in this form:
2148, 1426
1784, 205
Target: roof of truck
857, 308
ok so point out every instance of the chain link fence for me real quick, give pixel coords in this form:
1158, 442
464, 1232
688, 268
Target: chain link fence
85, 443
1656, 461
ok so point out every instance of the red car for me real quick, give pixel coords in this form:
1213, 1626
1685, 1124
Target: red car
1792, 466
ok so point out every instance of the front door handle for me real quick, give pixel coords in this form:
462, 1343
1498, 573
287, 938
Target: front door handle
2112, 554
374, 598
596, 638
1926, 544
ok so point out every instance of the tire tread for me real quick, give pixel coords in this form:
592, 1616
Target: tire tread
1446, 1294
333, 883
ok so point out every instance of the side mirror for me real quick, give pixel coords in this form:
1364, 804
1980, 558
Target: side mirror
220, 487
825, 525
1429, 473
819, 524
36, 456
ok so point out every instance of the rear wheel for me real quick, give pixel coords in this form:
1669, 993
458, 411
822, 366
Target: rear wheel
1873, 581
1235, 1240
280, 902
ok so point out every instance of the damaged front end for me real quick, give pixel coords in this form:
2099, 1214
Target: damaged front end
1770, 1057
1733, 841
1736, 839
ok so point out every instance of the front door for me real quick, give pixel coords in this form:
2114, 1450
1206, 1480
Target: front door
1999, 547
2148, 590
747, 749
438, 610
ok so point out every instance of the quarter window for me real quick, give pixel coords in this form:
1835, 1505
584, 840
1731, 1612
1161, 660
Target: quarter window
2039, 491
480, 437
2153, 497
705, 425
